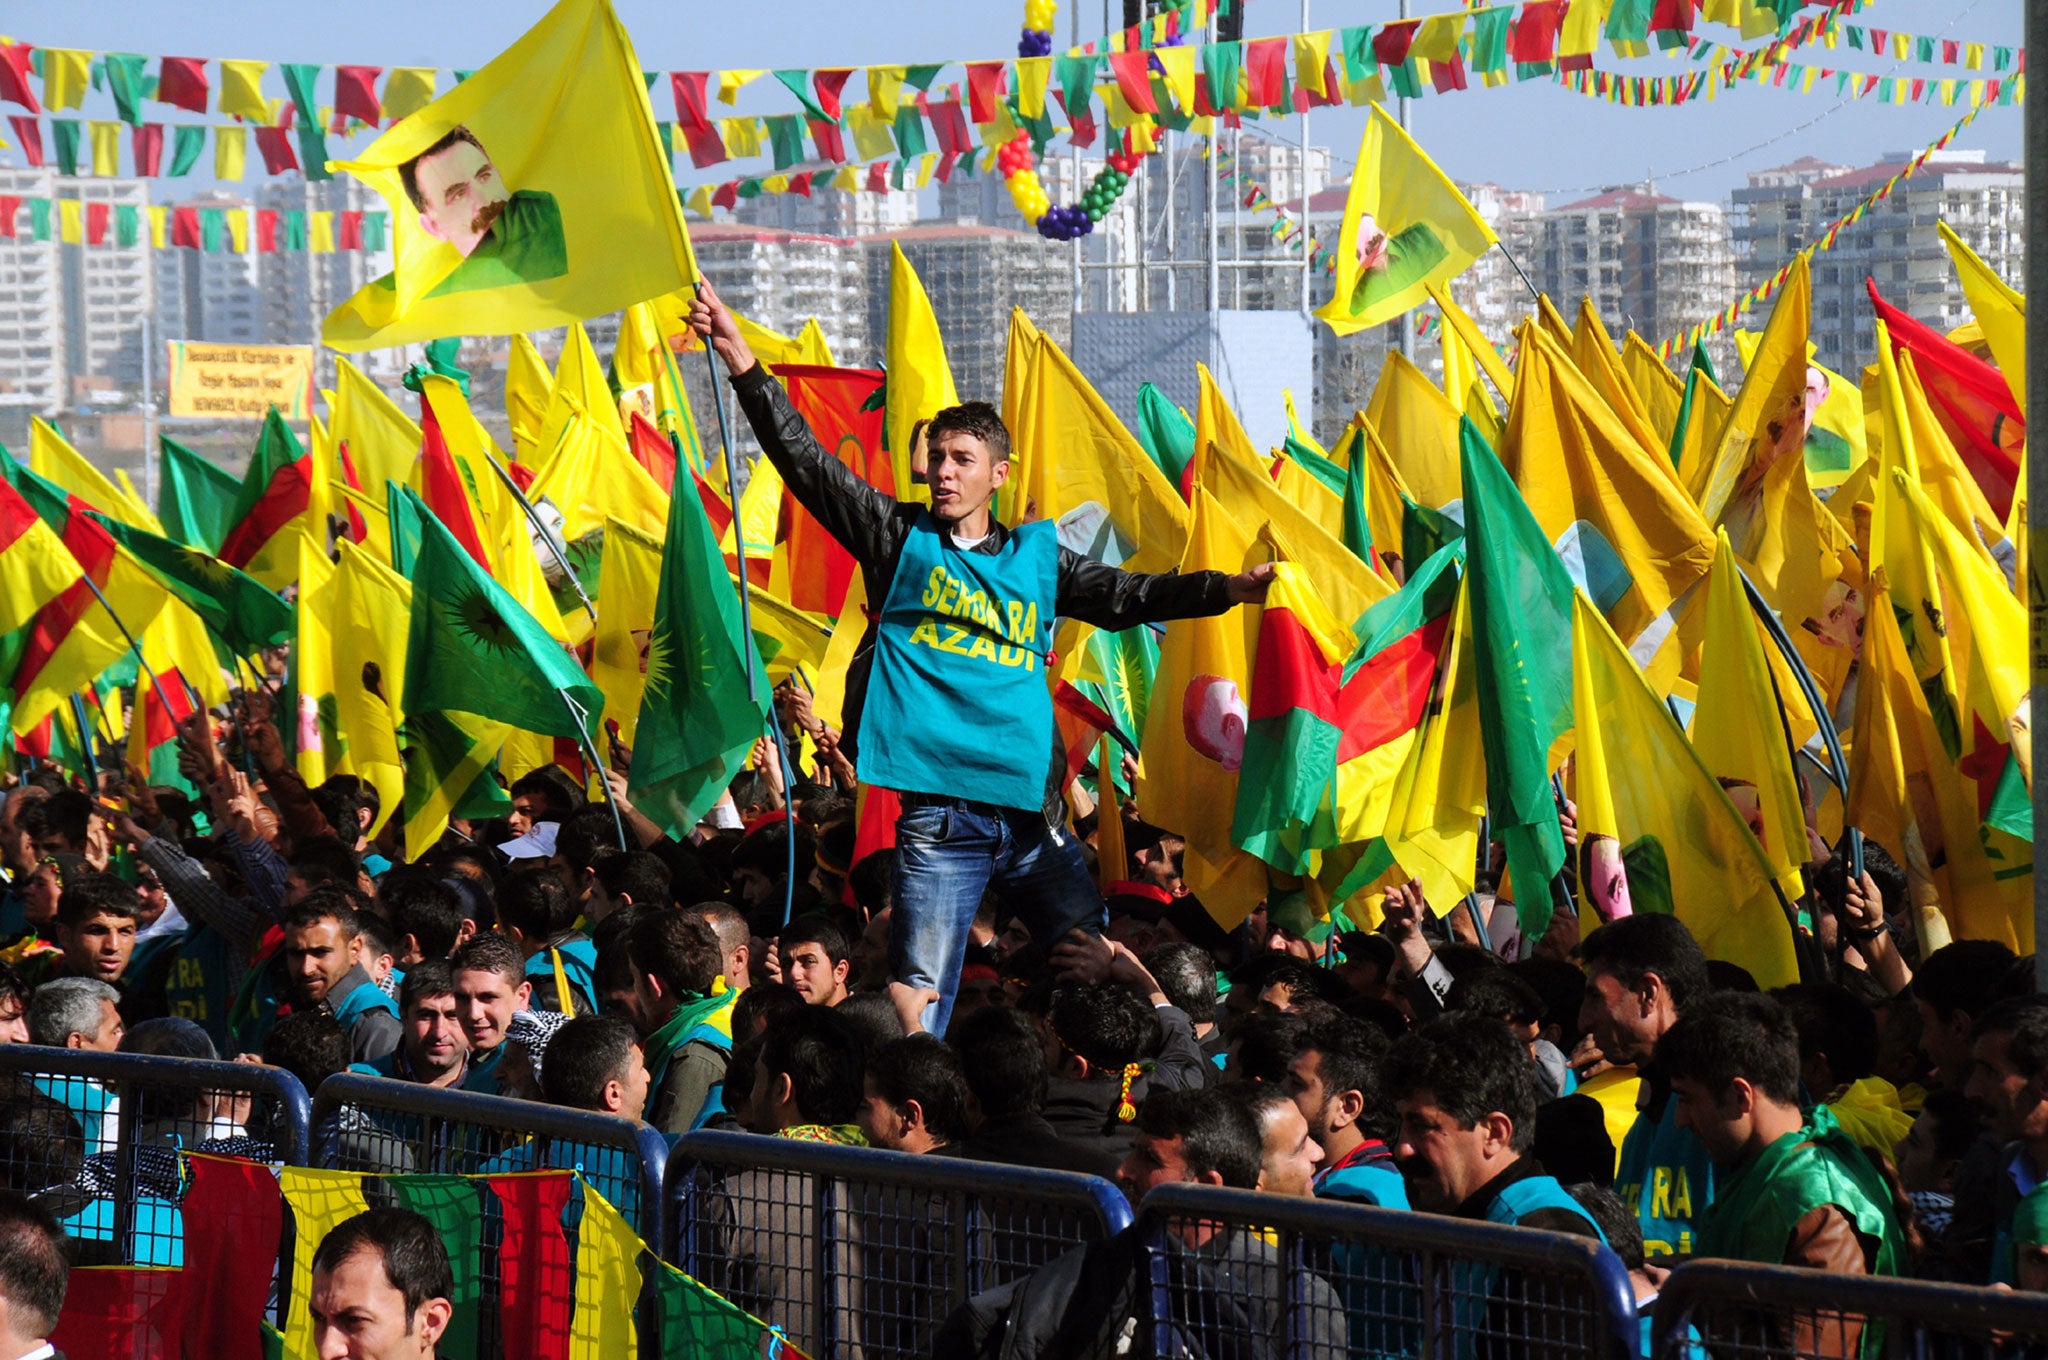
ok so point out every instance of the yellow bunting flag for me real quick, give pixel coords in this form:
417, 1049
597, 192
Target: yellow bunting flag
321, 1201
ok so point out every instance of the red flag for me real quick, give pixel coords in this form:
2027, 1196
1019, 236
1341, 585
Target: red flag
1971, 401
1532, 37
149, 148
1133, 72
355, 93
875, 812
829, 139
692, 108
1390, 44
655, 453
30, 134
234, 1218
185, 227
985, 89
1265, 71
121, 1310
96, 218
715, 508
278, 156
844, 409
14, 73
348, 231
534, 1281
1081, 723
266, 230
10, 208
827, 85
181, 83
441, 488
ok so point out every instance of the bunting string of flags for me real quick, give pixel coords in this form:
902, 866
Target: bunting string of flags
907, 113
1763, 292
75, 222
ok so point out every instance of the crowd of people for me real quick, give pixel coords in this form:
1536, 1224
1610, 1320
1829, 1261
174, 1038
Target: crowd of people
1884, 1118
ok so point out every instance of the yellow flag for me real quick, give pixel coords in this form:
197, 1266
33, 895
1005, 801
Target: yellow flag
2000, 312
383, 441
607, 1282
1405, 227
370, 607
1195, 725
1736, 728
1440, 795
1217, 426
319, 752
1662, 391
630, 573
789, 638
1592, 349
1248, 496
593, 476
1086, 473
106, 148
920, 382
1020, 344
1419, 427
1767, 421
51, 456
1631, 539
828, 680
321, 1201
1835, 439
1473, 341
230, 150
1656, 832
580, 389
241, 90
534, 193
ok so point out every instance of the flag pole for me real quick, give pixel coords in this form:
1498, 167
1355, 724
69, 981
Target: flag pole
581, 717
85, 731
133, 645
739, 542
1816, 701
1518, 268
533, 518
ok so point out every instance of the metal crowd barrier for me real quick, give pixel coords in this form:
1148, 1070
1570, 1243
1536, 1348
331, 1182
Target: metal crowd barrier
1731, 1310
93, 1137
1238, 1273
855, 1252
376, 1124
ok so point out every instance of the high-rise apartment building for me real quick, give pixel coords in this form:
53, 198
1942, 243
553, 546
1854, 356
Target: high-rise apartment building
109, 289
1651, 263
1784, 210
974, 276
34, 350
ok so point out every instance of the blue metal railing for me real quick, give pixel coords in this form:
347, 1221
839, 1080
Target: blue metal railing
1234, 1271
860, 1251
1732, 1310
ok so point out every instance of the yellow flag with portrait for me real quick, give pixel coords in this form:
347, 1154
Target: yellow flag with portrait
533, 194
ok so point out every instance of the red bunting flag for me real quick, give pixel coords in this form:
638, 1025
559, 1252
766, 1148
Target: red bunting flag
355, 93
949, 124
149, 148
828, 85
349, 230
14, 73
266, 231
830, 140
1265, 71
185, 227
692, 110
96, 217
278, 156
10, 207
985, 89
535, 1284
1390, 45
181, 83
30, 134
1133, 72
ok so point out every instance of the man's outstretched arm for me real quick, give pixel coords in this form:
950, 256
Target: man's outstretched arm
858, 515
1112, 598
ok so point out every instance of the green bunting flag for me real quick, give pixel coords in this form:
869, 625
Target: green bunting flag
196, 500
233, 605
696, 721
475, 649
1522, 632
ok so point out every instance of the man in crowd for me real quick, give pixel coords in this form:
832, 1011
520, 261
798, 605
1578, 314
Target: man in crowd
815, 959
1288, 1156
1642, 972
1003, 1058
1793, 1190
534, 910
952, 728
2006, 1087
687, 1015
489, 975
810, 1079
1336, 1079
594, 1063
95, 931
433, 1049
35, 1271
382, 1287
322, 945
915, 1098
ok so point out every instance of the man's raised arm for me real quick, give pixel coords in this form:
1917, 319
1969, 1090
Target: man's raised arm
853, 512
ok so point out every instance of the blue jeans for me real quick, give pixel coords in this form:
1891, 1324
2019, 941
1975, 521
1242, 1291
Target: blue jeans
948, 852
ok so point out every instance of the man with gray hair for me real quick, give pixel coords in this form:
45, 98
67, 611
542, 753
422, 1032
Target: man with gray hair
79, 1013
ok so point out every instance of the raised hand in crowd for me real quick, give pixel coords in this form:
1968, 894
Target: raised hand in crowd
1865, 931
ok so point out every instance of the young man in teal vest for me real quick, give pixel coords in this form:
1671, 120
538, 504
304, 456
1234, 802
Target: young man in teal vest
685, 1010
1642, 973
1794, 1190
1337, 1081
946, 699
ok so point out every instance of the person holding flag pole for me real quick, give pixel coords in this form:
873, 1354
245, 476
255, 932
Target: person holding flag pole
947, 695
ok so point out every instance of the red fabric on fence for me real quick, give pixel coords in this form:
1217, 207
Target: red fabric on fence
535, 1283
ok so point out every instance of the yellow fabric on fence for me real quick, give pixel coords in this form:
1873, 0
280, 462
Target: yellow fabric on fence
320, 1201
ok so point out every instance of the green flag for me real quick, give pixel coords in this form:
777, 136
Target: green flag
196, 500
1522, 636
1165, 432
474, 649
403, 510
1357, 520
234, 606
696, 721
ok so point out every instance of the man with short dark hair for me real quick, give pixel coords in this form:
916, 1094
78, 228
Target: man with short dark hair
810, 1079
1288, 1154
687, 1015
426, 915
815, 959
535, 911
95, 930
947, 699
594, 1063
381, 1288
540, 796
322, 952
1466, 1094
1337, 1080
489, 974
628, 878
433, 1049
2008, 1088
1002, 1055
35, 1269
915, 1097
1794, 1189
1642, 972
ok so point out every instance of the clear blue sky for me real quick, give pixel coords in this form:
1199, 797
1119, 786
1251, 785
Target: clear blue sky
1535, 136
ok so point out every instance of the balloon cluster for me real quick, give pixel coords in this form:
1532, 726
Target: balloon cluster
1017, 160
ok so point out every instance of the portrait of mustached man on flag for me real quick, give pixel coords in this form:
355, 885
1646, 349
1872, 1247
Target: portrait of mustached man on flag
1406, 227
533, 194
